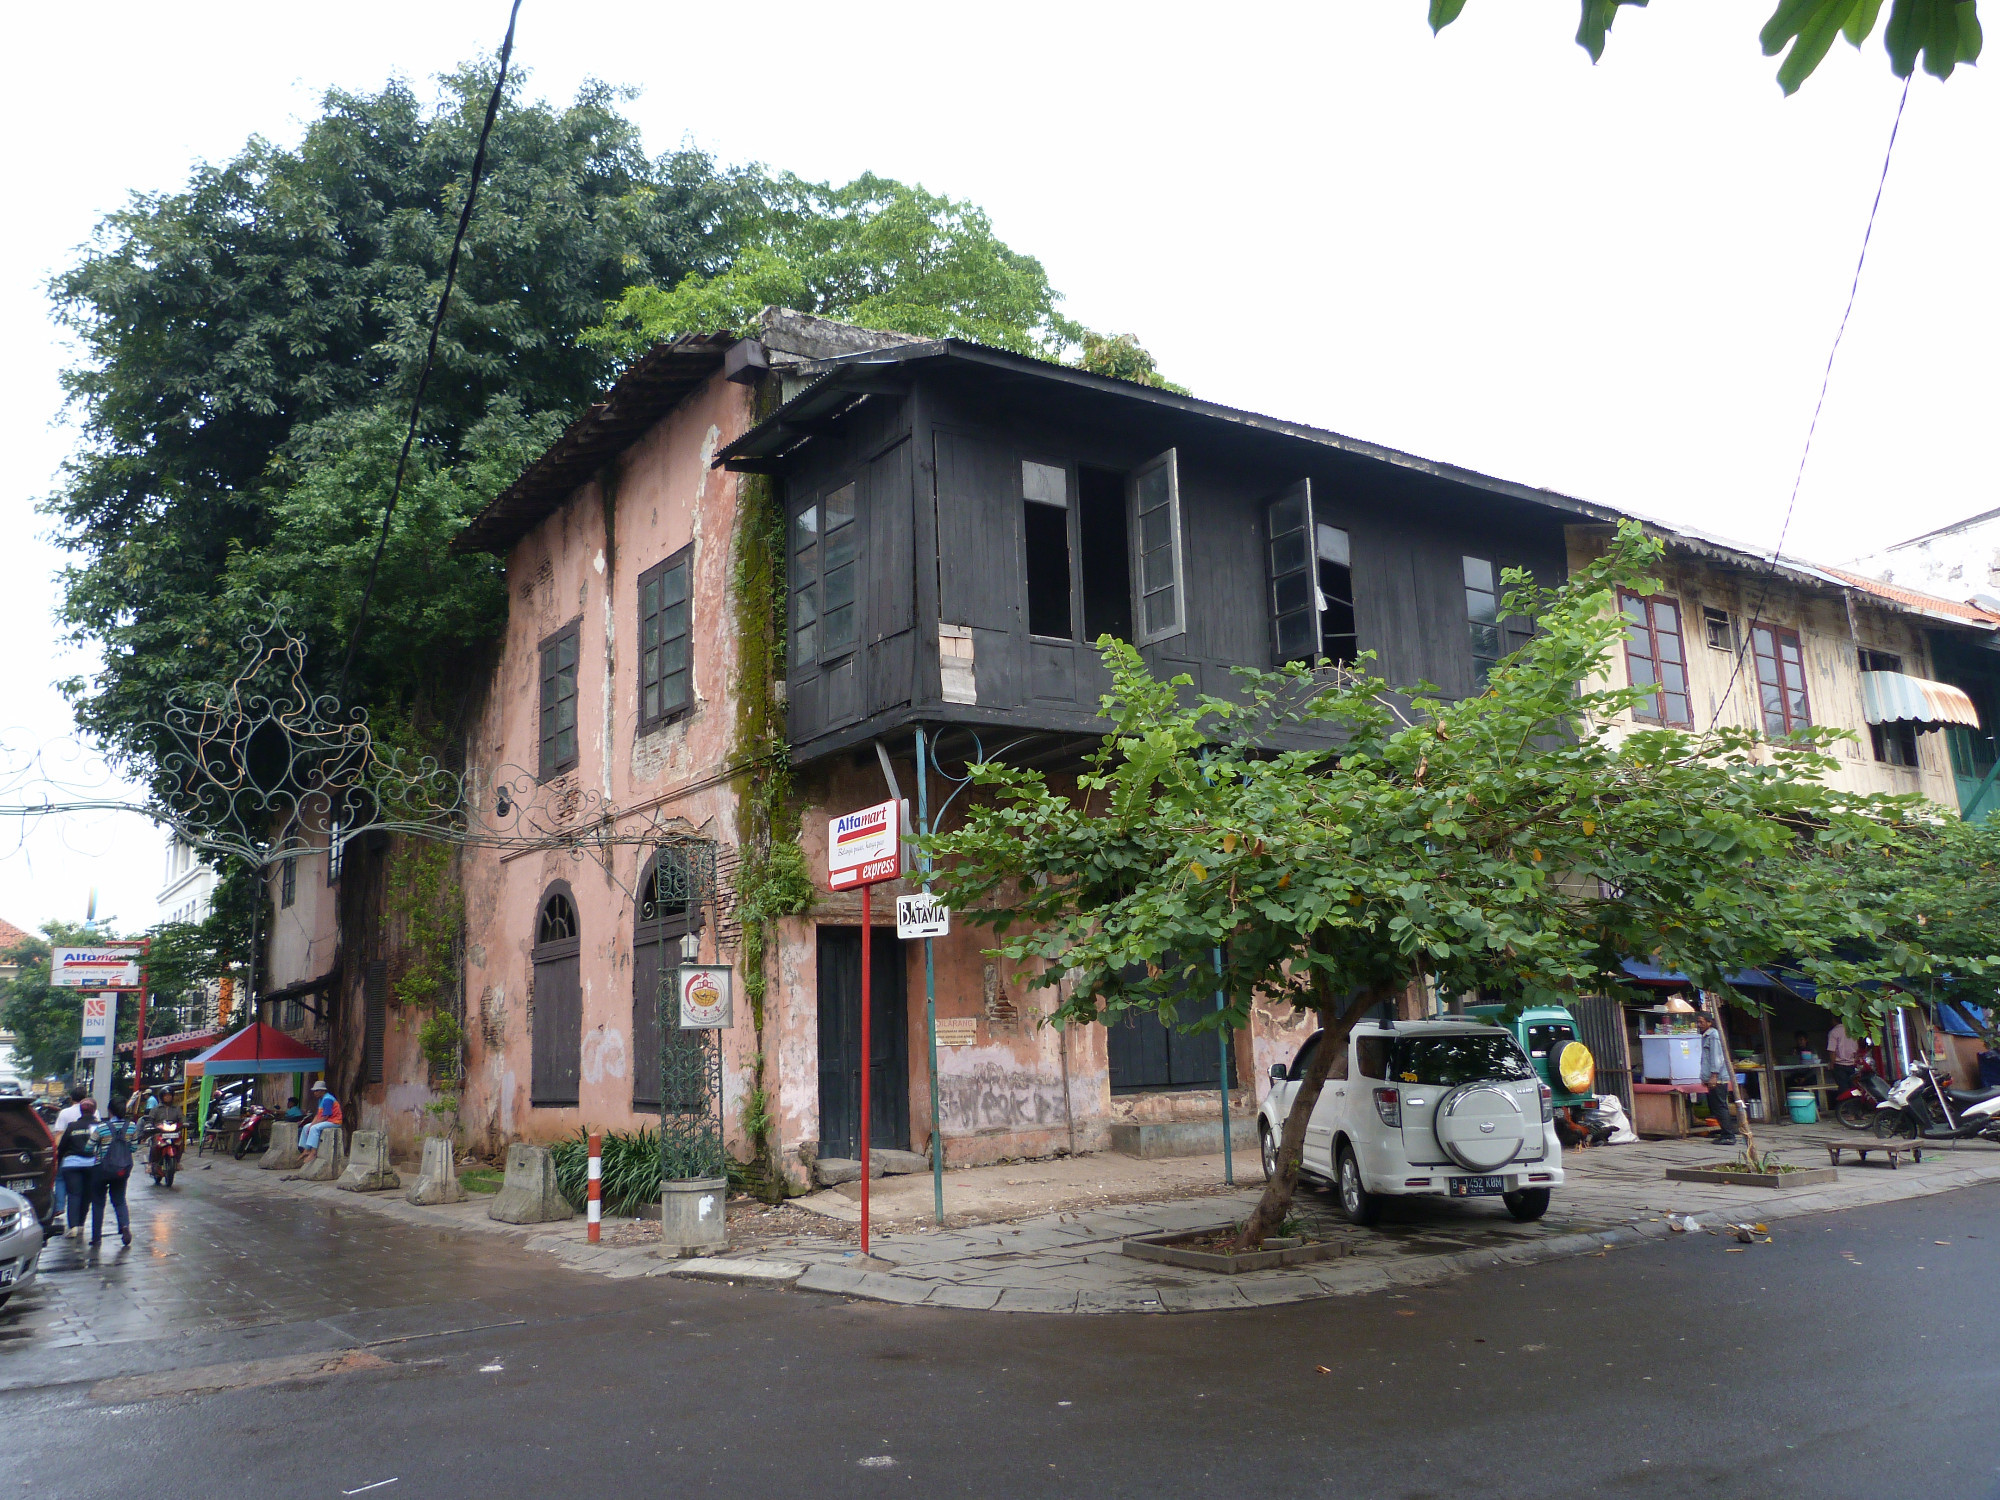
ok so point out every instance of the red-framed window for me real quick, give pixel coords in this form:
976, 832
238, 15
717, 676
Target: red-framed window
1781, 679
1654, 657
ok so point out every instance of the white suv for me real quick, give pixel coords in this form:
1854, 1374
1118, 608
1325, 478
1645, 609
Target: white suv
1446, 1109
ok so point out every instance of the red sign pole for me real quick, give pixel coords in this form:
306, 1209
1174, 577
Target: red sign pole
867, 995
138, 1047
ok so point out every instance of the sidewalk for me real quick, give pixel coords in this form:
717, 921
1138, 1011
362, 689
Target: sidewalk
1065, 1257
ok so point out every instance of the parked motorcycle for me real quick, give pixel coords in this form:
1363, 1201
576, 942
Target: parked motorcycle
1855, 1105
165, 1159
1920, 1107
256, 1121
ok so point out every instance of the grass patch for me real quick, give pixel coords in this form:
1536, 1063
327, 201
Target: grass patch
481, 1179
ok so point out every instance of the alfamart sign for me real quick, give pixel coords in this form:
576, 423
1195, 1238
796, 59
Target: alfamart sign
94, 968
865, 847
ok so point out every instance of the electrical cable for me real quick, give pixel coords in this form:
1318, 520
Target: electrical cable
1826, 379
430, 353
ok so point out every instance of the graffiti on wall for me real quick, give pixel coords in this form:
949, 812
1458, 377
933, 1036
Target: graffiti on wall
603, 1055
989, 1094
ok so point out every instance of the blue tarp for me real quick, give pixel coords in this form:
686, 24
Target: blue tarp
1751, 979
1952, 1018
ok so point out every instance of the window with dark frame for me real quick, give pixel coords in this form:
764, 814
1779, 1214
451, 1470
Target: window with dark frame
666, 631
336, 853
1880, 661
1482, 613
558, 702
1716, 626
288, 880
1156, 530
1781, 679
1311, 582
1045, 526
1895, 744
826, 548
1655, 658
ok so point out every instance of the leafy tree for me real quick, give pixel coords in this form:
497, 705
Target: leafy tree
875, 252
1943, 33
1521, 842
47, 1022
1122, 356
187, 957
253, 340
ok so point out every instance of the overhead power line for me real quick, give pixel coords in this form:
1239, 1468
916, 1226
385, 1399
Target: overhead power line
1825, 380
430, 353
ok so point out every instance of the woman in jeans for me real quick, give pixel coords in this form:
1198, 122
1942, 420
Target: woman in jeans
77, 1159
114, 1142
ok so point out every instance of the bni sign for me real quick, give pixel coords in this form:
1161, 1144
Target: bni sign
100, 1017
865, 847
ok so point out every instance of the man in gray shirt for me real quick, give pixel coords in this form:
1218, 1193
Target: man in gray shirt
1720, 1072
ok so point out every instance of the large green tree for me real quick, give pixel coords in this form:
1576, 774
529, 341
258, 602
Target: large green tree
1940, 33
251, 345
1520, 842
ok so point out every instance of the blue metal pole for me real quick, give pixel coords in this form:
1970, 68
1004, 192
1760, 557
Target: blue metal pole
930, 981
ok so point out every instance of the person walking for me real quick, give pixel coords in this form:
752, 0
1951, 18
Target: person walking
1720, 1072
66, 1117
77, 1159
112, 1140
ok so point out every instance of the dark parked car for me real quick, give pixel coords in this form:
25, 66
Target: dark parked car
27, 1155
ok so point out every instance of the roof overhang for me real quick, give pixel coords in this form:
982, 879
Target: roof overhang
1897, 697
650, 388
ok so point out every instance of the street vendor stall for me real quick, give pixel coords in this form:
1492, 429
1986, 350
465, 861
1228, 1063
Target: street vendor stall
256, 1049
174, 1045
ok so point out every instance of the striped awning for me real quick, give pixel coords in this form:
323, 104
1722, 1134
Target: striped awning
1889, 697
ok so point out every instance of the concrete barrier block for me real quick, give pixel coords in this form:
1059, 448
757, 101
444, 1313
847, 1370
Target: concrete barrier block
1151, 1141
330, 1160
439, 1181
528, 1194
693, 1216
368, 1166
282, 1155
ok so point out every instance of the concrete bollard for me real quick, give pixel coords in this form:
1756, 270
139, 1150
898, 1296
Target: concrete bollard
693, 1216
368, 1168
282, 1155
529, 1194
331, 1159
439, 1181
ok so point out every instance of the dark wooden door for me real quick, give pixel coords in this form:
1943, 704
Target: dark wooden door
1146, 1053
840, 1044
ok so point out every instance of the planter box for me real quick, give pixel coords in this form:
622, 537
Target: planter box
1168, 1250
1803, 1177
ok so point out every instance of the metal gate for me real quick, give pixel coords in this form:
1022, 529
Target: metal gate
1600, 1025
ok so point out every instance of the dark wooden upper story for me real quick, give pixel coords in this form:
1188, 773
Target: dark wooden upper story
963, 522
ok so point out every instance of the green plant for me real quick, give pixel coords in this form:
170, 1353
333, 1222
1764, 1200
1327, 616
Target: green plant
631, 1169
439, 1039
423, 894
443, 1111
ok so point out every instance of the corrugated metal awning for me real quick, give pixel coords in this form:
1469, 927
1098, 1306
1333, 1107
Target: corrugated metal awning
1888, 697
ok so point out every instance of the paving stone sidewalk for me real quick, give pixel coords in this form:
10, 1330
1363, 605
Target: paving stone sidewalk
1070, 1261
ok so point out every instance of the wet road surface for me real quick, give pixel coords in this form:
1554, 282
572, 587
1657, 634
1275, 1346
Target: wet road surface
273, 1345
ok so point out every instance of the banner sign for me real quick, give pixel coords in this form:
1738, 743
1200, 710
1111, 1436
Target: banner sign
922, 916
94, 968
100, 1019
704, 999
865, 847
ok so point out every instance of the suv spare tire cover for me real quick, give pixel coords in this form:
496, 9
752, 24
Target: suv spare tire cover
1481, 1126
1575, 1068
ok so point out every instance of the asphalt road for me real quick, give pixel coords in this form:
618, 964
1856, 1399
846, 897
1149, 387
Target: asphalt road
1853, 1356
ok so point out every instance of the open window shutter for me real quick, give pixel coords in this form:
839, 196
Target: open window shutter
1294, 594
1159, 598
375, 996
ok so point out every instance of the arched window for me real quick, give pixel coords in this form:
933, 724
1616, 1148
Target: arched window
556, 1062
667, 908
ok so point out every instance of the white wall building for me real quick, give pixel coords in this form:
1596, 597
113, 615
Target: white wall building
190, 885
1960, 561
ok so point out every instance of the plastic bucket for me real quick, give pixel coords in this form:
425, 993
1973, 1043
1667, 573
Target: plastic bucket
1805, 1110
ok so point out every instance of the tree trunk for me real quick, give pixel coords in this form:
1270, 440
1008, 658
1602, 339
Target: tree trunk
1736, 1094
1279, 1191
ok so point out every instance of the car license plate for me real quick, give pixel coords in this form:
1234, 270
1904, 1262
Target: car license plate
8, 1272
1478, 1187
22, 1185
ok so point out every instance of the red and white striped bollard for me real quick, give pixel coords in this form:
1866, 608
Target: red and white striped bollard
596, 1190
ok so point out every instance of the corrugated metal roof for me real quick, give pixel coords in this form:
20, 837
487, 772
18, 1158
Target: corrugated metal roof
1929, 604
1892, 697
653, 386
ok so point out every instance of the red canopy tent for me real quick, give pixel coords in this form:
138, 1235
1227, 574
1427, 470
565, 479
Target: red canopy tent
257, 1048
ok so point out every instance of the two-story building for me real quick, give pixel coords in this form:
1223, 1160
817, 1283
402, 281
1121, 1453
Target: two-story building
935, 533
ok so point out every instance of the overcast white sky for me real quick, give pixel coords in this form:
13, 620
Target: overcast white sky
1617, 281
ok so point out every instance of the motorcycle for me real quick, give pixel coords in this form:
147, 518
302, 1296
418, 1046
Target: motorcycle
256, 1120
1855, 1105
165, 1158
1920, 1107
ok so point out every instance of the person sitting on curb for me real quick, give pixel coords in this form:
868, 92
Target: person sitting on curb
326, 1112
